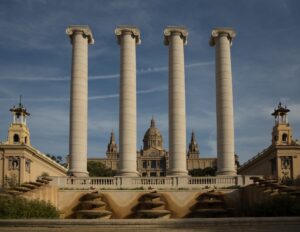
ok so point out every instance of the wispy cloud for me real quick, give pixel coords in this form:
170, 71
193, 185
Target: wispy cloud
97, 97
103, 77
145, 91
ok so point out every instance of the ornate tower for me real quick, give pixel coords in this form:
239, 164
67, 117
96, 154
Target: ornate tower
193, 152
112, 148
282, 132
18, 132
152, 137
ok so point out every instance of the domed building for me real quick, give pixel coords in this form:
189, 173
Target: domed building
152, 158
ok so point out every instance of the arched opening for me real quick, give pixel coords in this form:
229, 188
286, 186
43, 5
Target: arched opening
16, 138
25, 140
284, 138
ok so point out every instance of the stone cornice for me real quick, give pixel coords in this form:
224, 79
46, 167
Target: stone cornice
182, 31
135, 33
84, 29
34, 152
229, 32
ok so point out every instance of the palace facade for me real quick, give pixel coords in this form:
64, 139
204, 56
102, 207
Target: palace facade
152, 158
281, 160
19, 161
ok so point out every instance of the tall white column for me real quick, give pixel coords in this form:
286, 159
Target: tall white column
127, 37
80, 37
176, 38
222, 39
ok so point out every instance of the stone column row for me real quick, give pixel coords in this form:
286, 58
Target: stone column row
128, 37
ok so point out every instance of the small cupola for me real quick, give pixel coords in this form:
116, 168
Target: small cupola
282, 131
18, 132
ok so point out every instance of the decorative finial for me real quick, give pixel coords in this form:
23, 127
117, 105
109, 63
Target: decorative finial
152, 122
20, 102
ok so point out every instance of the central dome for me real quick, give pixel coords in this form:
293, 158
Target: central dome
152, 137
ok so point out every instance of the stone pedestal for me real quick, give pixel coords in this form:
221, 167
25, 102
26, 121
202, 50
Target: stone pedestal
80, 37
176, 38
222, 39
127, 37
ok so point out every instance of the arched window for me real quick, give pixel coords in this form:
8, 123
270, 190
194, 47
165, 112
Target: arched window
25, 139
16, 138
284, 137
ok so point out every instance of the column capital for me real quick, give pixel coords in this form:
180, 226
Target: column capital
134, 31
222, 31
175, 30
84, 29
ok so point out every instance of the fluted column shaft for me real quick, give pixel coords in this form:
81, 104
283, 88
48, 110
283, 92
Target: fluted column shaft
80, 38
176, 39
127, 38
222, 39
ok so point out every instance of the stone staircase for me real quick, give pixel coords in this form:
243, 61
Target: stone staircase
274, 188
26, 187
210, 205
92, 206
151, 206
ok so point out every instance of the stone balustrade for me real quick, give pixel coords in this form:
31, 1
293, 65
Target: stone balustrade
171, 182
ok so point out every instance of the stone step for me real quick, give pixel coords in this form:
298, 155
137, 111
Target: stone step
42, 181
31, 186
47, 178
22, 189
38, 184
153, 213
94, 213
152, 195
152, 204
91, 196
14, 192
92, 204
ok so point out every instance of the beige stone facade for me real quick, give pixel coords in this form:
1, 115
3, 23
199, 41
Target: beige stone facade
152, 158
19, 161
281, 160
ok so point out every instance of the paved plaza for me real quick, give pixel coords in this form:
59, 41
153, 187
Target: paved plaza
283, 224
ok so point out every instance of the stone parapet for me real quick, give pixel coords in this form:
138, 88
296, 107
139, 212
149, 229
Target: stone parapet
170, 182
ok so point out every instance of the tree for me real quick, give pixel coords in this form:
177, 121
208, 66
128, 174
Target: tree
208, 171
99, 169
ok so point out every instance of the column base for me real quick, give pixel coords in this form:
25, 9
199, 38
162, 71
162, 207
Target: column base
178, 173
226, 173
78, 174
128, 174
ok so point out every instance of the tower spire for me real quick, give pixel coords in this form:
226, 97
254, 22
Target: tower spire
193, 151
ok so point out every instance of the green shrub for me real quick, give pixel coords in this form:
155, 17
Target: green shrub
18, 207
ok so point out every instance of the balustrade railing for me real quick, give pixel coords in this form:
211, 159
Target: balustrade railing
119, 182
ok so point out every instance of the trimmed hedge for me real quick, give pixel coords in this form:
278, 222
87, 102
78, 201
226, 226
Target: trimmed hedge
18, 207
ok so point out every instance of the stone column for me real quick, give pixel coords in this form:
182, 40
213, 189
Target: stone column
127, 37
222, 39
80, 37
176, 38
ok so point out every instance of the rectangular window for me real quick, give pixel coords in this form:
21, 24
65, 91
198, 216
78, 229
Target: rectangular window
153, 163
144, 164
152, 174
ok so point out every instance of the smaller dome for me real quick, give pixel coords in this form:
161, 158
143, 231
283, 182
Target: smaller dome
153, 137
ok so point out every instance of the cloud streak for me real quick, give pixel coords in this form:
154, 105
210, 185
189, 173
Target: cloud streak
92, 98
105, 77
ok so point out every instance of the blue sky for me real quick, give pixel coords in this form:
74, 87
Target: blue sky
35, 61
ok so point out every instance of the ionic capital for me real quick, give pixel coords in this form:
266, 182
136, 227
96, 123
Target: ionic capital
175, 30
225, 31
123, 29
84, 29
